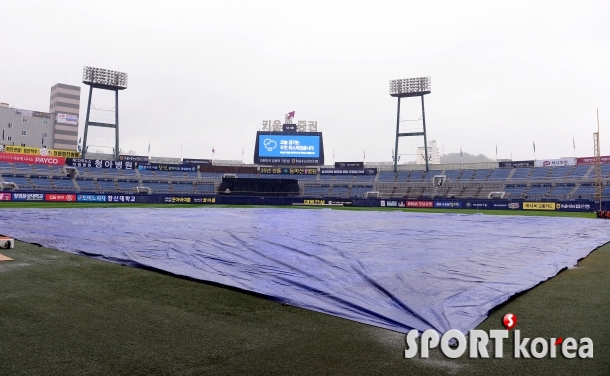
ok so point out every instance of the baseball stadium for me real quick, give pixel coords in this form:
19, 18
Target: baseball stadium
114, 263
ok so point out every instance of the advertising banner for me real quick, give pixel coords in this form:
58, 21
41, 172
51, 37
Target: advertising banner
448, 204
133, 158
392, 203
99, 163
420, 204
28, 196
42, 151
91, 198
512, 164
4, 196
349, 165
120, 198
477, 205
204, 200
288, 171
538, 206
290, 161
196, 161
575, 206
177, 200
32, 159
166, 167
555, 162
591, 160
350, 171
28, 113
67, 119
505, 205
60, 197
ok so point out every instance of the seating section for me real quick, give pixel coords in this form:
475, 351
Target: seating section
157, 186
183, 187
557, 182
317, 190
538, 190
86, 185
204, 188
360, 190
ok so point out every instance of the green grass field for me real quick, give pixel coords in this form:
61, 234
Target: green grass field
62, 314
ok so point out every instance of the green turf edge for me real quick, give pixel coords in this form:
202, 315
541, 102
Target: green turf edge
55, 205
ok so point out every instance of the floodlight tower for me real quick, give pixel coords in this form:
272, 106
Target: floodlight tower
597, 165
410, 87
107, 80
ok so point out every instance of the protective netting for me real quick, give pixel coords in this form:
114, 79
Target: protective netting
397, 270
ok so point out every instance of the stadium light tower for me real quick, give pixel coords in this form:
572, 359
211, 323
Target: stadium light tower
410, 87
106, 80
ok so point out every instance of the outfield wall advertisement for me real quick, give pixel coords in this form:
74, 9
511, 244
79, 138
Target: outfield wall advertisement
574, 206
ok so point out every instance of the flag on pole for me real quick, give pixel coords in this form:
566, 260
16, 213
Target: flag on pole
573, 142
149, 148
213, 151
2, 134
534, 144
461, 151
42, 142
496, 148
365, 154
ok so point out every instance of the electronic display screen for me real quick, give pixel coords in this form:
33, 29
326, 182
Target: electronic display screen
289, 146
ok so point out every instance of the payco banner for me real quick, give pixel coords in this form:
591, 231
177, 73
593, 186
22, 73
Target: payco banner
555, 162
42, 151
538, 206
32, 159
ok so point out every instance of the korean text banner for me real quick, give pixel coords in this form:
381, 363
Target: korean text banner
42, 151
67, 119
555, 162
591, 160
32, 159
289, 145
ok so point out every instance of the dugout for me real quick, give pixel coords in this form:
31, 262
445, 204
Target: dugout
258, 187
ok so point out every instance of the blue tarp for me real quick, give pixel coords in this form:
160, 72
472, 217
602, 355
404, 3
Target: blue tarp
396, 270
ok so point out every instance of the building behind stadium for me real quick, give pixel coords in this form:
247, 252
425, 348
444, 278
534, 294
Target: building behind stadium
56, 129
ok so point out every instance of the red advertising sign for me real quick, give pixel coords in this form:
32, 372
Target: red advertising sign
591, 160
32, 159
5, 196
60, 197
420, 204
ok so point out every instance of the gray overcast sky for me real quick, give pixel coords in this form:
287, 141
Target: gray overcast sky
204, 74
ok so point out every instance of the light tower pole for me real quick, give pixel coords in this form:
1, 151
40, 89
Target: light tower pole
106, 80
410, 87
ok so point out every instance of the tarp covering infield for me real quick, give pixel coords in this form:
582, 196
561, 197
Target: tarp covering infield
396, 270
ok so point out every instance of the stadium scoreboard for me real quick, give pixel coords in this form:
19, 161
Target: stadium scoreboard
288, 148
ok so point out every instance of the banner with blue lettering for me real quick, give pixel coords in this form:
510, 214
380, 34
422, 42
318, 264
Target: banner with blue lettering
448, 204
